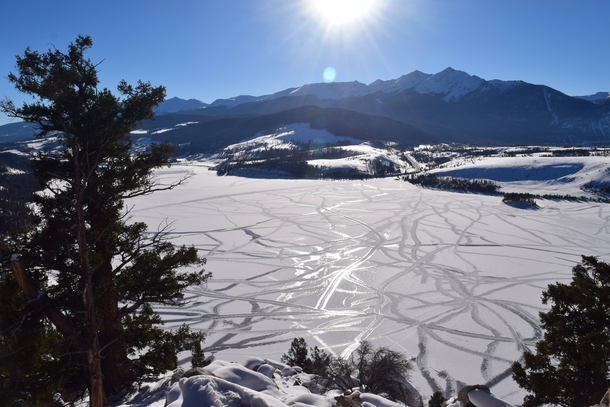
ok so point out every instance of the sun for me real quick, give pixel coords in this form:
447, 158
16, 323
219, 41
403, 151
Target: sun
339, 12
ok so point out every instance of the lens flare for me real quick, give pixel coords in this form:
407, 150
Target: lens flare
329, 74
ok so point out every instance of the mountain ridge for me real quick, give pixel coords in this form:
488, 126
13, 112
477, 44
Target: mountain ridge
454, 83
598, 97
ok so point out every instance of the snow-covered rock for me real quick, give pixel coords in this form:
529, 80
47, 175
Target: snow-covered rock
200, 391
237, 373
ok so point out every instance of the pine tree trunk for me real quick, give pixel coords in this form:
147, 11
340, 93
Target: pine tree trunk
116, 365
97, 395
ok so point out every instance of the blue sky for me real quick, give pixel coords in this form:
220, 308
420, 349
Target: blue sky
210, 49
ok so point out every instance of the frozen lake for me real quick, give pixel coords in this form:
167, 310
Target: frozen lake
454, 280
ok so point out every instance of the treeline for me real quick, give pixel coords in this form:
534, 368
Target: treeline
522, 151
302, 169
424, 157
295, 169
597, 188
484, 186
427, 180
519, 198
562, 152
525, 197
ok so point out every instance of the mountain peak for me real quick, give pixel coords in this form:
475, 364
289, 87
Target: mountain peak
452, 83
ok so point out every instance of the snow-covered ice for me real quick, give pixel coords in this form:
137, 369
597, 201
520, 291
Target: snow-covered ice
452, 280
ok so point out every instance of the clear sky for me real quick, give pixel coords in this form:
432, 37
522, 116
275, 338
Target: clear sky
210, 49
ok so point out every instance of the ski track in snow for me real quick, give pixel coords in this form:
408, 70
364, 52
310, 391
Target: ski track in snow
452, 279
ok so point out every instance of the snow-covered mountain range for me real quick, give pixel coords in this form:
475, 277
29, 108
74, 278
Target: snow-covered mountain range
450, 106
450, 83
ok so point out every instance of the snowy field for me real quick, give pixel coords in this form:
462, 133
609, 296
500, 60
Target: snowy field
453, 280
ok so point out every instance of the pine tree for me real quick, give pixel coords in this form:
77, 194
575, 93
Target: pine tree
437, 399
297, 355
92, 274
571, 365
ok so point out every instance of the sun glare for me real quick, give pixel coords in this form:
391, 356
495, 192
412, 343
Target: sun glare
342, 11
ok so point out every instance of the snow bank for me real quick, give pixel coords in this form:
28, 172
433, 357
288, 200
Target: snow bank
235, 385
200, 391
237, 373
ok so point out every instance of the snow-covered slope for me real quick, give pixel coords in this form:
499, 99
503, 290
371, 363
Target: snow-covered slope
398, 85
296, 132
348, 155
538, 174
